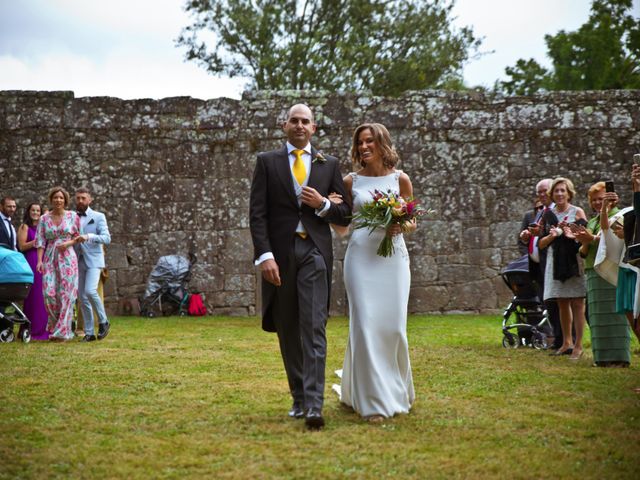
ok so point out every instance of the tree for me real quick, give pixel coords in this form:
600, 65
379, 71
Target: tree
386, 46
602, 54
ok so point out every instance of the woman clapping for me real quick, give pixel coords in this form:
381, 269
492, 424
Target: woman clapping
563, 280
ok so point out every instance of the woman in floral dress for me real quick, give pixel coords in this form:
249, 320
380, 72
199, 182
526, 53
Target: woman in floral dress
58, 231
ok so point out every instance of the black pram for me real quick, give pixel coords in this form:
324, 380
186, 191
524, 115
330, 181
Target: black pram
168, 283
16, 279
531, 319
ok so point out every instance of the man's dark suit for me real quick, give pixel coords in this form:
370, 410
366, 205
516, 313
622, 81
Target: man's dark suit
274, 215
4, 235
529, 217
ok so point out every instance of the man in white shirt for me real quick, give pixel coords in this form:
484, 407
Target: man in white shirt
90, 264
8, 235
289, 221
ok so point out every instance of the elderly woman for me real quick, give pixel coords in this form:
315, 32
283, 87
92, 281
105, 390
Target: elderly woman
563, 280
609, 335
58, 231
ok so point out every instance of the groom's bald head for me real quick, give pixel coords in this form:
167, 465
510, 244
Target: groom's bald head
299, 125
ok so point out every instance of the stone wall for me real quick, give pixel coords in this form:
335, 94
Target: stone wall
173, 175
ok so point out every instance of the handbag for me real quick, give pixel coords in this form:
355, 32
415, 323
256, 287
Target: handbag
196, 306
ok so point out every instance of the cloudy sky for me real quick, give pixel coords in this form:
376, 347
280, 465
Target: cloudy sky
125, 48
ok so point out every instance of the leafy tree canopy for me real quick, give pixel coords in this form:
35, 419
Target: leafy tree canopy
386, 46
603, 54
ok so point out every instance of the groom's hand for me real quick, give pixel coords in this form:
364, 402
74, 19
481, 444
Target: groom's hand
271, 271
311, 197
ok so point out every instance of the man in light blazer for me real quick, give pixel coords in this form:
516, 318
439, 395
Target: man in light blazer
289, 222
95, 233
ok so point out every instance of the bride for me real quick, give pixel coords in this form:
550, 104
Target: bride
376, 376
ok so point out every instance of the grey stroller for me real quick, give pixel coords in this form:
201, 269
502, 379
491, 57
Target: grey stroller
167, 284
531, 324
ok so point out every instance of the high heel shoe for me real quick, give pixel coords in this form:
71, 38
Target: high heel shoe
576, 355
559, 352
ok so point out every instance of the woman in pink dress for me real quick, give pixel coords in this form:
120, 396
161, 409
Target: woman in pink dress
58, 231
34, 303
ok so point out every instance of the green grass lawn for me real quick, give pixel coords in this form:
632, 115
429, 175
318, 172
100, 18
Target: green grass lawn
207, 398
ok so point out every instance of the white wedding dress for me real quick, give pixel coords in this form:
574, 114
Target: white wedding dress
376, 376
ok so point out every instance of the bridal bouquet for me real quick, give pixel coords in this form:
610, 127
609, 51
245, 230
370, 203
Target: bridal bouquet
384, 210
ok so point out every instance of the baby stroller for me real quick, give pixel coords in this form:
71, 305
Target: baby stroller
16, 279
167, 284
531, 319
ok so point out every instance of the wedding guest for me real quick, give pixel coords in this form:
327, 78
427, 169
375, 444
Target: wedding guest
57, 233
34, 307
8, 235
376, 376
530, 234
609, 331
634, 319
91, 262
528, 219
563, 280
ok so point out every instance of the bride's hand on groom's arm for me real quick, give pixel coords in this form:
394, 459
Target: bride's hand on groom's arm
271, 272
340, 230
335, 198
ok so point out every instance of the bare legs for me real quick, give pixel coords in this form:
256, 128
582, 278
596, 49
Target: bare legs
571, 314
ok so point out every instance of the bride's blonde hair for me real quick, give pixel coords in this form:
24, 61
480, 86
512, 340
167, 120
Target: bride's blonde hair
383, 140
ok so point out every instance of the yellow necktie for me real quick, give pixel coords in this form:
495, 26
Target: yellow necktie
299, 171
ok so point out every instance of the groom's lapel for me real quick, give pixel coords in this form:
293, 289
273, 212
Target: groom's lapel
284, 173
317, 169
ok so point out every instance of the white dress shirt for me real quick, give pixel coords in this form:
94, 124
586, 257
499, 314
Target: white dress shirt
321, 212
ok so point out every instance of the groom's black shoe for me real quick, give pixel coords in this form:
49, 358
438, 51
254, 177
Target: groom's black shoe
314, 420
296, 412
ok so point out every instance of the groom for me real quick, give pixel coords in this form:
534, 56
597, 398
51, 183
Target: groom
289, 219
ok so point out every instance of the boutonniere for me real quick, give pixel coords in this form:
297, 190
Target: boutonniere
319, 158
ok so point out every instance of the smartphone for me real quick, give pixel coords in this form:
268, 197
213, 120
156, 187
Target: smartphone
636, 158
533, 225
608, 186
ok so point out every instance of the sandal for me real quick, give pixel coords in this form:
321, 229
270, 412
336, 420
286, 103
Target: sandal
375, 419
576, 355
